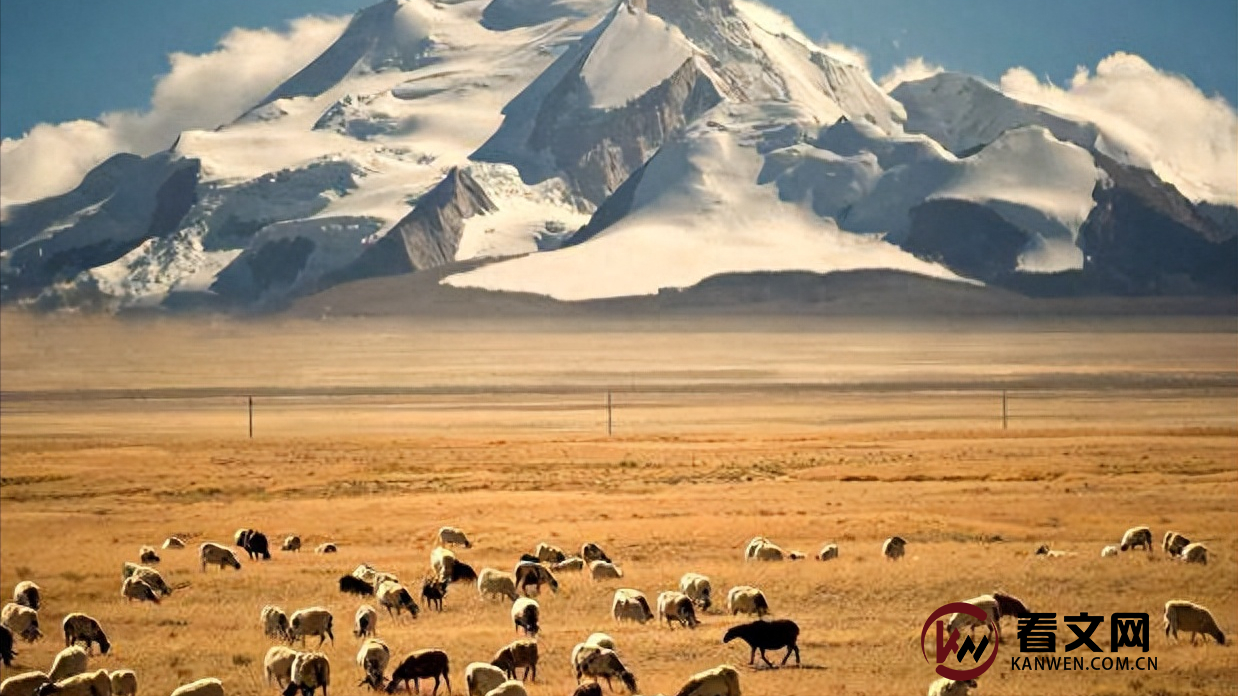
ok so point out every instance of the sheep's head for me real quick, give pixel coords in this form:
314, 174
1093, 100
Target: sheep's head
629, 680
104, 644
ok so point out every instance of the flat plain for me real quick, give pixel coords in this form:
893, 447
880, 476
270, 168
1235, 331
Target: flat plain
372, 434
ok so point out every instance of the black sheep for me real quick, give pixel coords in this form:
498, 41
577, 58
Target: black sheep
423, 664
354, 585
461, 571
6, 646
529, 558
256, 545
590, 689
767, 635
432, 593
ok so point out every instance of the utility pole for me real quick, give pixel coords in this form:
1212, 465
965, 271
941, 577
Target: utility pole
251, 417
1003, 409
610, 420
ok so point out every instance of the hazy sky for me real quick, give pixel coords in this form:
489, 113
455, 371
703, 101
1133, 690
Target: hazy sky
69, 60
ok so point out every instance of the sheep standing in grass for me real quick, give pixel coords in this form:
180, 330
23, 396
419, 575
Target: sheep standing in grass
722, 680
393, 595
676, 607
951, 687
7, 653
432, 593
365, 622
453, 536
277, 665
591, 552
1137, 537
209, 686
148, 575
210, 553
605, 663
28, 594
257, 546
310, 672
698, 588
274, 622
68, 662
995, 606
534, 575
173, 543
133, 588
327, 547
767, 635
745, 599
96, 683
769, 552
422, 664
547, 553
442, 560
24, 684
493, 582
520, 653
574, 564
1181, 615
1195, 553
894, 548
750, 551
601, 570
292, 542
1109, 551
482, 677
81, 628
525, 615
828, 552
22, 621
372, 658
124, 682
314, 621
1173, 543
630, 605
511, 687
147, 554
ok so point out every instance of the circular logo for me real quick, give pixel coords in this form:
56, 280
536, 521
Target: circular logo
950, 646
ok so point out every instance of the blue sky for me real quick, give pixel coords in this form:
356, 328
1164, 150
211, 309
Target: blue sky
61, 61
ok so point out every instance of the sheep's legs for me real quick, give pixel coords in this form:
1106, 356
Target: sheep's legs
765, 659
786, 657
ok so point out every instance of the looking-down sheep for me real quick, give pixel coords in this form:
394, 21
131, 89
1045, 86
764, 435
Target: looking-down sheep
750, 551
314, 621
630, 605
698, 588
310, 672
493, 582
1195, 553
124, 682
591, 552
1181, 615
951, 687
549, 554
147, 554
328, 547
148, 575
365, 622
422, 664
372, 658
81, 628
520, 653
676, 607
525, 615
28, 594
534, 575
828, 552
453, 536
767, 635
722, 680
1173, 543
133, 588
1136, 537
768, 551
277, 665
22, 621
210, 553
394, 596
482, 677
209, 686
68, 662
894, 548
274, 622
1109, 551
605, 663
745, 599
292, 542
601, 570
574, 564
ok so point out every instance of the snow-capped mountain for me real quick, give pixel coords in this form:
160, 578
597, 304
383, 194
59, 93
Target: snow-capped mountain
584, 149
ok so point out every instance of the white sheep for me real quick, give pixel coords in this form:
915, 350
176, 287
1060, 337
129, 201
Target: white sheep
601, 640
574, 564
28, 594
699, 588
150, 576
493, 582
327, 547
960, 620
1137, 536
310, 671
367, 573
372, 658
392, 595
630, 605
277, 665
951, 687
454, 536
96, 683
602, 570
549, 554
68, 662
676, 607
526, 615
745, 599
605, 663
750, 552
1173, 543
1181, 615
274, 622
173, 543
365, 621
1195, 553
482, 678
511, 687
210, 553
769, 552
722, 680
894, 548
828, 552
314, 621
24, 684
292, 542
1109, 551
441, 561
81, 628
594, 643
22, 621
133, 588
124, 682
209, 686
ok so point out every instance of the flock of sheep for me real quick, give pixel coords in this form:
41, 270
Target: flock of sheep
594, 660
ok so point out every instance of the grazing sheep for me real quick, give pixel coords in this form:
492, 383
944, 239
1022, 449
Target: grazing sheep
422, 664
482, 678
327, 547
1173, 543
442, 561
28, 594
274, 622
601, 570
1195, 553
432, 593
1108, 551
1136, 537
365, 622
350, 584
454, 536
722, 680
511, 687
314, 621
745, 599
767, 635
24, 684
68, 662
698, 588
525, 615
210, 553
96, 683
1188, 616
582, 652
148, 575
310, 671
995, 606
630, 605
535, 574
828, 552
209, 686
894, 548
256, 546
292, 542
520, 653
124, 682
951, 687
574, 564
491, 582
769, 552
238, 539
147, 554
606, 664
750, 552
133, 588
7, 653
676, 606
173, 543
393, 595
372, 658
591, 552
277, 665
549, 554
80, 628
22, 621
590, 689
601, 640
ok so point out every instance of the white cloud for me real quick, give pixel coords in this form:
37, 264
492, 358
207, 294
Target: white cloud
200, 91
1150, 118
914, 69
